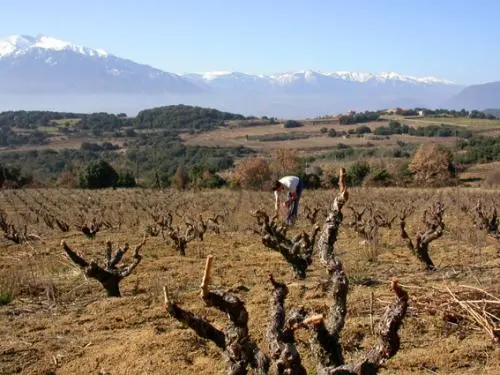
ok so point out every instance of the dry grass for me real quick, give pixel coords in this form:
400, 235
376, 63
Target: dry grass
483, 175
468, 122
59, 322
236, 136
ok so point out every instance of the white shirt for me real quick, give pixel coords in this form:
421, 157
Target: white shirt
290, 182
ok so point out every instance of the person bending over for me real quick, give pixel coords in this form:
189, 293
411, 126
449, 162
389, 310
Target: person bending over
293, 186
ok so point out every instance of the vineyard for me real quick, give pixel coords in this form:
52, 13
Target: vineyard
399, 281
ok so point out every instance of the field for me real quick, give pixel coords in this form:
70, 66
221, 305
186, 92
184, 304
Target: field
55, 320
227, 137
461, 121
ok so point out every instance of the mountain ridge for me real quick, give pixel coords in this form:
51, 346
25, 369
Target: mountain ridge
33, 69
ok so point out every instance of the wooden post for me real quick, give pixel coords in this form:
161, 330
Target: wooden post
342, 186
166, 296
206, 277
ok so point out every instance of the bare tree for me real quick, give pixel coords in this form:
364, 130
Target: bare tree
434, 230
162, 222
325, 342
311, 214
297, 251
89, 229
62, 225
199, 227
487, 220
214, 222
12, 233
110, 275
180, 239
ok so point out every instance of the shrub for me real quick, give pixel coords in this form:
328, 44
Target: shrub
210, 180
253, 173
98, 174
126, 180
363, 130
310, 180
431, 165
68, 180
180, 179
292, 124
356, 173
13, 177
379, 177
332, 133
5, 297
285, 161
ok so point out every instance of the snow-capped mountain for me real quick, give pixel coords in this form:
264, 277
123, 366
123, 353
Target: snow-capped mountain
17, 45
312, 77
331, 91
35, 69
47, 65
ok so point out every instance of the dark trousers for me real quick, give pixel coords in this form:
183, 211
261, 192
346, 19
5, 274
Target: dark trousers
294, 206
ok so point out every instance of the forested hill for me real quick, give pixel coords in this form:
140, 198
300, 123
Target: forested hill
130, 144
168, 117
183, 117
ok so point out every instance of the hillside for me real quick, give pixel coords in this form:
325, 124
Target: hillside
191, 142
493, 111
45, 65
182, 117
477, 97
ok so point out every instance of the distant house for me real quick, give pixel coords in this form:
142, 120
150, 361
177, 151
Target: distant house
391, 111
421, 113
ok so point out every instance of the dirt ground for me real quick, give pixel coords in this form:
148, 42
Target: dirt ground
59, 322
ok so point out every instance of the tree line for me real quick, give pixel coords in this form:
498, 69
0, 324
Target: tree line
26, 127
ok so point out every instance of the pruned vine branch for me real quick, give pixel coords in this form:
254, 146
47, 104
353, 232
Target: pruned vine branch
487, 220
311, 214
433, 221
181, 239
14, 234
239, 348
297, 250
334, 218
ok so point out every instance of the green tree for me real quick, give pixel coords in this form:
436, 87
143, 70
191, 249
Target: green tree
126, 180
292, 124
357, 172
98, 174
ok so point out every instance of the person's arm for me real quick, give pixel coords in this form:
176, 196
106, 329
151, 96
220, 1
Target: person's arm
276, 201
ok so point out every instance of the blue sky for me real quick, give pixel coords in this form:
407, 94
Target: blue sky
451, 39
